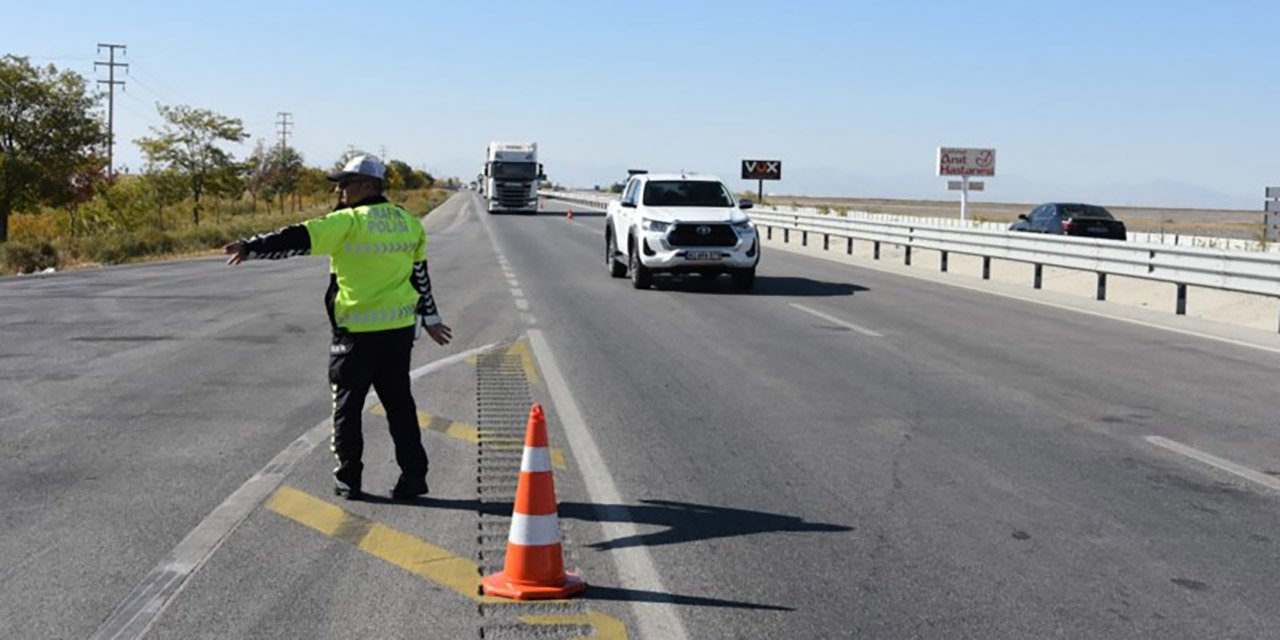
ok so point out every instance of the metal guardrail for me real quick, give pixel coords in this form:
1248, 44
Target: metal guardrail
599, 201
1240, 271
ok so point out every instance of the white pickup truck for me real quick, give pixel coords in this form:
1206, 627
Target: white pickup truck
680, 223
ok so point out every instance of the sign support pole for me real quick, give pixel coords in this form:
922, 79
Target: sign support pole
964, 197
760, 193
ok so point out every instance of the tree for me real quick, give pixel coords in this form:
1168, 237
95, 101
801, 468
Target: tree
188, 143
165, 188
47, 129
257, 171
409, 178
286, 166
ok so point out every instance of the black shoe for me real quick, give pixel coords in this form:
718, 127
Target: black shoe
348, 492
409, 490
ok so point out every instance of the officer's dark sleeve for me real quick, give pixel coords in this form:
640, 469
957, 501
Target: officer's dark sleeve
288, 242
426, 301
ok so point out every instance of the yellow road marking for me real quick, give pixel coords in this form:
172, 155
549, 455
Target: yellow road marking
469, 433
606, 627
415, 555
557, 459
520, 349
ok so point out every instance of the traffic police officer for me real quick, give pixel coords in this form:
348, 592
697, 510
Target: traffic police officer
379, 294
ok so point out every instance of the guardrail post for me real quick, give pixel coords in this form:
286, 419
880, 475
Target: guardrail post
1039, 276
769, 233
907, 256
786, 236
848, 247
877, 252
986, 267
1102, 286
826, 241
1181, 308
804, 238
944, 261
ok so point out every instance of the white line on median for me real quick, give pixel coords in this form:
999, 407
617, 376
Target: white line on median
849, 325
143, 606
635, 567
1214, 461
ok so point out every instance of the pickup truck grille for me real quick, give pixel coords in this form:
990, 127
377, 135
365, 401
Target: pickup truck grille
717, 235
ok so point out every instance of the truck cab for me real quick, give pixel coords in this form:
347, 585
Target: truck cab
679, 224
510, 177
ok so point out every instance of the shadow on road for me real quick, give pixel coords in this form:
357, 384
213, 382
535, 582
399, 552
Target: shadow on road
791, 286
682, 521
676, 515
597, 592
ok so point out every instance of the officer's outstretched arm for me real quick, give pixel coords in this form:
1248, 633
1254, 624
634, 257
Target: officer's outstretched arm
426, 300
288, 242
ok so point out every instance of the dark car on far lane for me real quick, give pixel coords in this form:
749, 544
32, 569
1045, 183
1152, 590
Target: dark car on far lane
1071, 219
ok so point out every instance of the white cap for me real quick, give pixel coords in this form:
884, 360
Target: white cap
361, 165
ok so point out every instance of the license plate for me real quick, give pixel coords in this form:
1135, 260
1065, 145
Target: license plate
1098, 229
703, 255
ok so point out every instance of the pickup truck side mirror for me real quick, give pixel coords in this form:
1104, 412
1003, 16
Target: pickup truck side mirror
745, 204
629, 205
1022, 216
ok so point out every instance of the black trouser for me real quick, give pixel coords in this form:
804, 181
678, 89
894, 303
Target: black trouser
379, 359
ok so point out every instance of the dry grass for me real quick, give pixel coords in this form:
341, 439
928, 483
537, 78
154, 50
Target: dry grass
1202, 222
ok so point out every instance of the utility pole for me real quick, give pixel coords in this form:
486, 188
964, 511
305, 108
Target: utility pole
111, 83
382, 153
284, 123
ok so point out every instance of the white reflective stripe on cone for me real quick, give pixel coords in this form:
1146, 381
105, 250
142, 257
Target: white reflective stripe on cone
534, 531
535, 459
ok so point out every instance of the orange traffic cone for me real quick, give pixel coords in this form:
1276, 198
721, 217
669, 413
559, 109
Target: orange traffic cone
534, 568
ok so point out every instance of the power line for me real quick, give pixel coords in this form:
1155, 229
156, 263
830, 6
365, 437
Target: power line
111, 83
284, 123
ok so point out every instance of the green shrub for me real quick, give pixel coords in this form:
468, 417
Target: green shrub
26, 257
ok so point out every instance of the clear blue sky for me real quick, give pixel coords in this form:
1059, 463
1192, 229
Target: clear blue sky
1119, 102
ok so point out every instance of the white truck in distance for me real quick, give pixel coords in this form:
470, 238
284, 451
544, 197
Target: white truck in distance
509, 180
679, 223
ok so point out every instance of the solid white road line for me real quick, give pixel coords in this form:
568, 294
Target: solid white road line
1216, 462
143, 606
848, 325
635, 567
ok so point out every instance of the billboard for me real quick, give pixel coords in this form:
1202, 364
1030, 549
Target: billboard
761, 169
958, 161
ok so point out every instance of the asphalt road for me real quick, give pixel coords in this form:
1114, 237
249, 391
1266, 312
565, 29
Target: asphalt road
840, 453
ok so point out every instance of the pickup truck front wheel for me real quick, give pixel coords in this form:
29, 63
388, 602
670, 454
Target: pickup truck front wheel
641, 277
616, 268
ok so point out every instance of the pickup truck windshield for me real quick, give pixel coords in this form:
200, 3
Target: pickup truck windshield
514, 170
686, 193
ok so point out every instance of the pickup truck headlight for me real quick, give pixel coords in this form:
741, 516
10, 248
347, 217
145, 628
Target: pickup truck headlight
744, 227
655, 226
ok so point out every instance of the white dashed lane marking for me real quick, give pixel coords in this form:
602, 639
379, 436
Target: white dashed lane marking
829, 318
1216, 462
